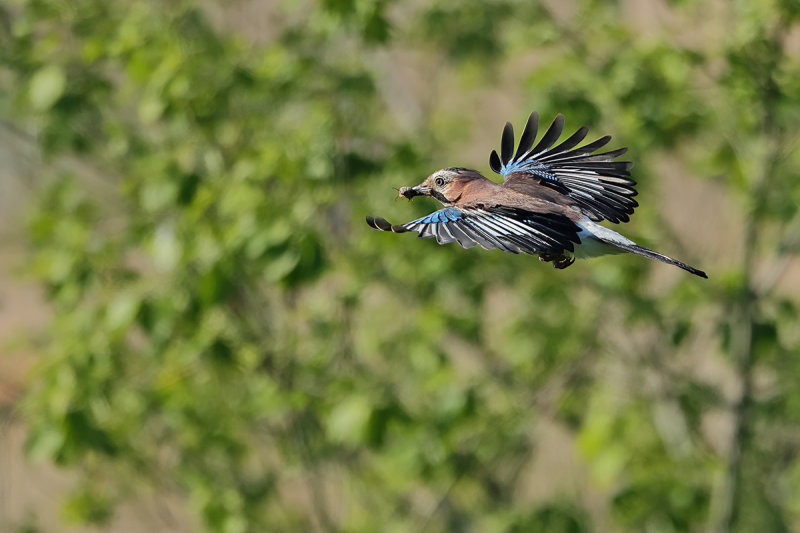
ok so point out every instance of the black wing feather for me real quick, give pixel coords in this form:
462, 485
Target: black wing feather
571, 142
494, 162
507, 143
550, 136
528, 135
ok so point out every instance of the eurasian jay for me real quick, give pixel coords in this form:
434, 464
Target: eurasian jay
548, 205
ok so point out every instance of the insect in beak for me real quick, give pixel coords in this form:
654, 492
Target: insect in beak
411, 192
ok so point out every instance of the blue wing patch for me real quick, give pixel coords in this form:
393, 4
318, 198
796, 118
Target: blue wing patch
536, 169
448, 214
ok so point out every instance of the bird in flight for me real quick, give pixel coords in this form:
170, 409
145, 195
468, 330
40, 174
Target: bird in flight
549, 204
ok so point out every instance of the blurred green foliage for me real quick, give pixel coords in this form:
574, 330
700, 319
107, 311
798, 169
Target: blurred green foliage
227, 328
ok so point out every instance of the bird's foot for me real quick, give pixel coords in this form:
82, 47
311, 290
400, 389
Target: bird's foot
559, 261
563, 262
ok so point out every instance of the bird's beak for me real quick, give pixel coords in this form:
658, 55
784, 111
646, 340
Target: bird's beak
411, 192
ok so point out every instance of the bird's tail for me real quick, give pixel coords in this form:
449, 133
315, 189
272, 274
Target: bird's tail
652, 254
615, 240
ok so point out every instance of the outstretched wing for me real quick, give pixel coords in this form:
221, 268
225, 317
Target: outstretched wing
503, 228
599, 185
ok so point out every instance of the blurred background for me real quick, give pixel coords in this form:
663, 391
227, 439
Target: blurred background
200, 333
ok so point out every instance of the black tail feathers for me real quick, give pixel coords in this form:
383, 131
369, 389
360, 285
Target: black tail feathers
651, 254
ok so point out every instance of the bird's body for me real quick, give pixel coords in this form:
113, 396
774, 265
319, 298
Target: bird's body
549, 203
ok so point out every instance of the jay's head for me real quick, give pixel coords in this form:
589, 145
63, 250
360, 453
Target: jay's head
446, 185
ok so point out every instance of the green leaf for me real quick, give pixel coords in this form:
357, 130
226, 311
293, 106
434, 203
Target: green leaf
348, 420
46, 87
86, 506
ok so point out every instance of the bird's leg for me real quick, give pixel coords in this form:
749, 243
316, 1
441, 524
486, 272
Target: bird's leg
559, 261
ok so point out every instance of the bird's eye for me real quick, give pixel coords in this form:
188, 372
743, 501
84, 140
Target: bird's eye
439, 182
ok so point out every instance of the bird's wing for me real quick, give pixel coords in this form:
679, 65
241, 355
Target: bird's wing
600, 186
503, 228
